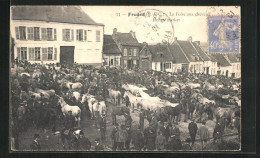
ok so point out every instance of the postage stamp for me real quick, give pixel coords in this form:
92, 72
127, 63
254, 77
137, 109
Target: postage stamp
223, 34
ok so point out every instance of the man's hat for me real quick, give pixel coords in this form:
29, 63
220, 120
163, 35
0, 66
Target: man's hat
97, 139
36, 136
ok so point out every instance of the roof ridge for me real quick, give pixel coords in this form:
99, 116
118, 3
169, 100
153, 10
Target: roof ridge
170, 52
182, 51
203, 51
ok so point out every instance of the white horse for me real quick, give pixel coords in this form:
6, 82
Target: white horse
194, 85
114, 95
65, 108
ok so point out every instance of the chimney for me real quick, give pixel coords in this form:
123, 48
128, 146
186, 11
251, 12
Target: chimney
114, 35
197, 42
175, 39
144, 43
190, 39
132, 33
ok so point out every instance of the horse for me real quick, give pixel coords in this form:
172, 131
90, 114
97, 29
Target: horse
174, 113
65, 108
118, 110
45, 117
190, 109
98, 108
115, 95
208, 86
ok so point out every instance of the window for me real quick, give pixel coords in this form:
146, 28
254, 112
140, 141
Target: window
44, 53
30, 33
24, 53
125, 52
22, 33
97, 36
117, 60
31, 53
112, 62
50, 52
36, 33
80, 35
168, 65
17, 32
237, 66
44, 34
130, 52
49, 34
37, 53
155, 66
135, 51
90, 36
67, 34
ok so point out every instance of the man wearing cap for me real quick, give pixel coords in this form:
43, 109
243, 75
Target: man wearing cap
149, 138
113, 136
203, 132
121, 136
129, 135
35, 145
192, 130
83, 142
217, 134
176, 131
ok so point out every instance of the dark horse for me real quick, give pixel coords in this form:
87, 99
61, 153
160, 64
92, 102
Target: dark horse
174, 113
118, 110
190, 109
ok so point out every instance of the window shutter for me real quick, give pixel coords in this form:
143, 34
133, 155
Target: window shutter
44, 54
43, 33
85, 35
77, 35
33, 54
25, 33
72, 35
17, 32
55, 53
28, 32
30, 53
63, 34
19, 53
54, 34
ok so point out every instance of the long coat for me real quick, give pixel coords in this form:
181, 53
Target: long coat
138, 140
203, 132
160, 142
193, 128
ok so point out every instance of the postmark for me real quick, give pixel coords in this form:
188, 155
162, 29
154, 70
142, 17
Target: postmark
223, 33
156, 25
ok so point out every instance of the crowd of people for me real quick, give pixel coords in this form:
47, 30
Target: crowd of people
28, 109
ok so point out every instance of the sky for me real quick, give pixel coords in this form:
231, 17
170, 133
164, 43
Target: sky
164, 22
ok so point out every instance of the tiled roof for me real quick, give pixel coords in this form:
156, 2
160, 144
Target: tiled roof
222, 61
178, 56
213, 59
110, 46
126, 39
189, 50
62, 14
233, 58
204, 56
157, 49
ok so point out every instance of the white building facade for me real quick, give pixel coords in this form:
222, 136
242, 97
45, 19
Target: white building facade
57, 42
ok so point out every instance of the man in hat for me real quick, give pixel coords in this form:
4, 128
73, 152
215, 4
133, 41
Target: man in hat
35, 145
176, 131
83, 143
149, 138
141, 119
113, 136
203, 132
121, 137
98, 145
103, 127
160, 141
128, 120
129, 135
21, 115
193, 128
217, 134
